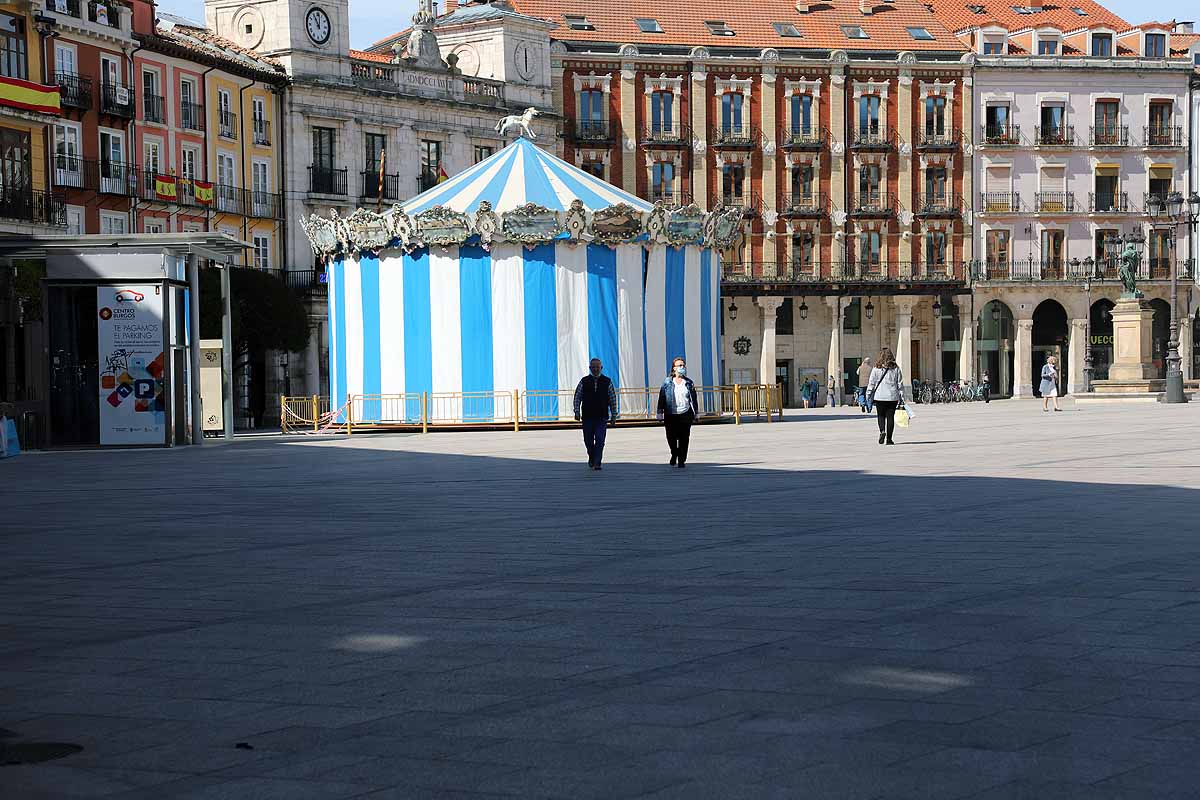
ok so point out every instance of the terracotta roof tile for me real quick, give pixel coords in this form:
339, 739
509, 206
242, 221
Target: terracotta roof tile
363, 55
683, 23
206, 43
958, 16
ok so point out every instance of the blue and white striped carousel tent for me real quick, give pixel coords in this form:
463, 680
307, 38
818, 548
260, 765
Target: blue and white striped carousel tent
511, 276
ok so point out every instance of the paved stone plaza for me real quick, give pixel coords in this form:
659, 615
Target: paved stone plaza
1002, 606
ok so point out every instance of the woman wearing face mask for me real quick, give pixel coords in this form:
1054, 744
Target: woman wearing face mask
677, 407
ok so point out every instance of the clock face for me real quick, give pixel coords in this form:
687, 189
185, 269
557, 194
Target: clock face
317, 25
526, 60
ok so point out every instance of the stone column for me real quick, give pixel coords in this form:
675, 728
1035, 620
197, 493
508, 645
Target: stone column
968, 167
312, 359
906, 149
1185, 346
837, 140
1076, 357
966, 342
903, 317
766, 362
698, 104
769, 162
1023, 381
629, 132
834, 365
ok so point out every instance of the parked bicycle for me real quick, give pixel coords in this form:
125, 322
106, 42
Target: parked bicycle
947, 392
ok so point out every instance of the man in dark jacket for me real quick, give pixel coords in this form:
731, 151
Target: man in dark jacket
595, 404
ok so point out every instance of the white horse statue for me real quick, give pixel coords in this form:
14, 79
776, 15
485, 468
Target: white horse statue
519, 121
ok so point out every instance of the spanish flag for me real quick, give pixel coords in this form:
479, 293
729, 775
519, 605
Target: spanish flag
442, 176
165, 187
204, 192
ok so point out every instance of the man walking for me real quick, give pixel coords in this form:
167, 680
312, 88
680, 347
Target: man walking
595, 405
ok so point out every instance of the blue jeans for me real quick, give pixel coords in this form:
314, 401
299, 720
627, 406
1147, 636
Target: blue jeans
832, 399
594, 431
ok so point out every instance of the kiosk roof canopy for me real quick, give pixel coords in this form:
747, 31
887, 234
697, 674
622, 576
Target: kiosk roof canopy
216, 246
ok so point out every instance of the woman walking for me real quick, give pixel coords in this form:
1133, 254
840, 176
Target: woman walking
885, 391
1049, 384
677, 408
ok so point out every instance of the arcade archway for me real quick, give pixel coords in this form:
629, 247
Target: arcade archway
994, 332
1051, 330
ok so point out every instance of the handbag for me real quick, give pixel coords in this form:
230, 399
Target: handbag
902, 417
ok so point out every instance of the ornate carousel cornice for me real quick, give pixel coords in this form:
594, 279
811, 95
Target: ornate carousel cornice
371, 232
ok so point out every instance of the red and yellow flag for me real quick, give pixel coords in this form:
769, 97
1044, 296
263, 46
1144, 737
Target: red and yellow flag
204, 192
442, 176
165, 187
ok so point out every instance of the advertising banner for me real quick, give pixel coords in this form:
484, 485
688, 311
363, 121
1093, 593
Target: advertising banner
130, 340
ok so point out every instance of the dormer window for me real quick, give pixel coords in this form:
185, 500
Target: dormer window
1047, 46
787, 30
920, 34
1156, 45
993, 47
1102, 45
1079, 11
718, 28
646, 25
578, 22
854, 32
975, 9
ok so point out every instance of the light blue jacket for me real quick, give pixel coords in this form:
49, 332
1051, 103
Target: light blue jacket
886, 385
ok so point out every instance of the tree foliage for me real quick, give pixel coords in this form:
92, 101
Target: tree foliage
266, 314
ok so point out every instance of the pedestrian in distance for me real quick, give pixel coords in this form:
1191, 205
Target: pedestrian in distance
1049, 384
831, 390
808, 391
595, 406
864, 377
986, 380
677, 408
885, 391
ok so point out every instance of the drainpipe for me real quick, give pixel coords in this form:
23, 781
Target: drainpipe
242, 110
204, 94
281, 154
131, 128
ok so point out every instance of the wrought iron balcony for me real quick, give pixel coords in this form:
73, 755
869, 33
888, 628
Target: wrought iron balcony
667, 134
369, 180
1163, 136
264, 205
191, 116
931, 139
594, 131
227, 124
810, 138
874, 138
1000, 203
744, 135
309, 282
116, 178
69, 7
327, 180
1108, 203
1055, 135
669, 197
116, 99
75, 90
1110, 136
873, 204
426, 181
105, 14
154, 108
32, 205
938, 204
805, 204
262, 131
749, 202
1054, 203
229, 200
1001, 135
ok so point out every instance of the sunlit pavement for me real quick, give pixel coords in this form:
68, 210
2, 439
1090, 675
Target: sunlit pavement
1002, 606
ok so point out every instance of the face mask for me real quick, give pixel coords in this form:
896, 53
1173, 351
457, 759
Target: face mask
681, 371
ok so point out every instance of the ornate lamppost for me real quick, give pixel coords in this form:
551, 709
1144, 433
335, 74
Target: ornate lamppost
1170, 212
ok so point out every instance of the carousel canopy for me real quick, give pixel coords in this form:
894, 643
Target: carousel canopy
519, 174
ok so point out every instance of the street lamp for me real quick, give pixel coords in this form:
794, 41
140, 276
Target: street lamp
1170, 212
937, 308
870, 310
803, 309
732, 310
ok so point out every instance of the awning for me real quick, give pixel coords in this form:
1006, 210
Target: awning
1108, 169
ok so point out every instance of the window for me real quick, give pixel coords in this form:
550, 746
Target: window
935, 249
997, 247
801, 107
1107, 184
13, 63
1079, 11
1159, 248
578, 23
151, 160
935, 117
323, 142
75, 220
192, 113
152, 101
1104, 254
803, 247
1156, 45
787, 30
1160, 116
1052, 130
1108, 114
112, 162
153, 226
868, 184
802, 184
854, 32
868, 115
1102, 44
718, 28
110, 71
262, 251
67, 166
1047, 47
227, 181
993, 48
935, 186
258, 111
260, 187
732, 184
187, 163
113, 223
662, 180
64, 59
920, 34
483, 151
996, 123
595, 168
431, 163
591, 106
15, 164
662, 112
646, 25
975, 9
870, 244
225, 118
731, 111
783, 317
852, 317
373, 151
1053, 243
1160, 182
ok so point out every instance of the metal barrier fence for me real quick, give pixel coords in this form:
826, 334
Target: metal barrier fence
423, 410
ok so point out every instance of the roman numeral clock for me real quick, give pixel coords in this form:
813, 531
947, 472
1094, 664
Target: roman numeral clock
316, 23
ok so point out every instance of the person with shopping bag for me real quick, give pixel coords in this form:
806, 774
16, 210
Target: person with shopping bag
885, 391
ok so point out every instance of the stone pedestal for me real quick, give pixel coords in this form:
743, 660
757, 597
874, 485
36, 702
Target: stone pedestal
1133, 347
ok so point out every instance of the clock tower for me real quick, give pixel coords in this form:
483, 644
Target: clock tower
309, 37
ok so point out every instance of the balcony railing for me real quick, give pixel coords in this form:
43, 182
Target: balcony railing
1108, 203
369, 180
68, 7
1054, 203
116, 99
191, 116
327, 180
669, 197
1169, 136
1001, 135
264, 205
478, 90
105, 177
666, 135
938, 204
75, 90
872, 204
1055, 135
117, 178
104, 14
744, 135
874, 138
810, 138
229, 200
932, 139
1000, 203
596, 131
154, 108
309, 282
227, 124
1110, 136
750, 202
805, 204
262, 131
426, 181
34, 206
